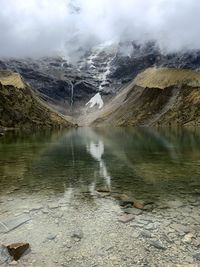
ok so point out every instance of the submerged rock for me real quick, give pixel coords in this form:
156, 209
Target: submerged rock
146, 234
138, 205
133, 211
125, 218
16, 250
12, 223
157, 244
188, 238
126, 203
78, 235
51, 237
197, 256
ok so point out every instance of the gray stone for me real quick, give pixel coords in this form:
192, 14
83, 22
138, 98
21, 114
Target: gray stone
180, 228
196, 242
133, 211
148, 207
197, 256
78, 234
51, 237
150, 226
146, 234
125, 218
157, 244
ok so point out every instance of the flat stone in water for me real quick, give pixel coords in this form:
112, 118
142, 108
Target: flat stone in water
51, 237
180, 228
125, 218
12, 223
133, 211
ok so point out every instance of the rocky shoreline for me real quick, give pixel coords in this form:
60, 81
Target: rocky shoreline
104, 229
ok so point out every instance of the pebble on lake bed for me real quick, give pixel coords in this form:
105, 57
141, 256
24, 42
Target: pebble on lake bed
125, 218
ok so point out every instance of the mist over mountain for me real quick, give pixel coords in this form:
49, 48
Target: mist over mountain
37, 28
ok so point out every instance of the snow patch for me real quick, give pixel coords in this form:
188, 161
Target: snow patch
96, 100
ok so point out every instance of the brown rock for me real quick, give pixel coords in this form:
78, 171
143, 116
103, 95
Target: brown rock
138, 205
17, 249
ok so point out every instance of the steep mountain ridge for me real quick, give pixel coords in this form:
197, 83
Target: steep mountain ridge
82, 89
163, 96
21, 108
103, 70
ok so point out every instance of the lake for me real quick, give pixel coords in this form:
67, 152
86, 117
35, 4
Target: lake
64, 192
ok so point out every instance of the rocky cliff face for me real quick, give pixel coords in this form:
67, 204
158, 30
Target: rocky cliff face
160, 96
21, 108
104, 68
99, 74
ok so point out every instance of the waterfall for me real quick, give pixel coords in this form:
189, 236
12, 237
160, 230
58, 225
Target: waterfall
72, 95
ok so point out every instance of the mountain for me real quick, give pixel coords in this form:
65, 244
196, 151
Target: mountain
83, 88
20, 107
103, 69
157, 96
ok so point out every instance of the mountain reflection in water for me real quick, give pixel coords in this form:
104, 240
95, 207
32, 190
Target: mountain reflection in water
142, 162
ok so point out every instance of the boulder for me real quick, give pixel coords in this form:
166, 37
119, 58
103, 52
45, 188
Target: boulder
16, 250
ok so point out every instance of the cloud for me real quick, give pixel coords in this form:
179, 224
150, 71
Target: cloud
44, 27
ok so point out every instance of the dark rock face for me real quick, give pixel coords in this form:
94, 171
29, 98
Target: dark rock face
52, 78
104, 68
148, 55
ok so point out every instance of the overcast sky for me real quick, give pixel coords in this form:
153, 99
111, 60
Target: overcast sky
42, 27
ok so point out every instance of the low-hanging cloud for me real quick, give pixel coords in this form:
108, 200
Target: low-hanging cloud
45, 27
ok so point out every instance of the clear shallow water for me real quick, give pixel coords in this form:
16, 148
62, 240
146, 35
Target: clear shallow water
45, 175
